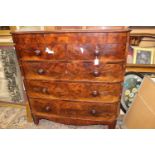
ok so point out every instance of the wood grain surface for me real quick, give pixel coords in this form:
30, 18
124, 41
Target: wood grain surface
73, 76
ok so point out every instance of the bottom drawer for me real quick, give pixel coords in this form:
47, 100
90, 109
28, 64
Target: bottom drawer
83, 110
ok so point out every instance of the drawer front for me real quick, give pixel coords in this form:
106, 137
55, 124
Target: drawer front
73, 109
90, 71
41, 51
74, 91
74, 46
80, 71
50, 38
44, 70
104, 52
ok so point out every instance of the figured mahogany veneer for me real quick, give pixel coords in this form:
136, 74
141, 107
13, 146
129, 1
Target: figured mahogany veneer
81, 110
74, 91
41, 51
102, 51
71, 51
67, 38
73, 76
79, 71
64, 46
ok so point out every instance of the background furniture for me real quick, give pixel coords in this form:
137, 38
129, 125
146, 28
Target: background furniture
141, 38
137, 36
141, 68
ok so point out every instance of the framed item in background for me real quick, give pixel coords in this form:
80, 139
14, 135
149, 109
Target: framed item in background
143, 55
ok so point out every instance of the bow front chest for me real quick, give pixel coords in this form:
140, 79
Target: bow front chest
73, 77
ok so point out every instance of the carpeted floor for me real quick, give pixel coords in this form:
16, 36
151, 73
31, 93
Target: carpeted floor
15, 118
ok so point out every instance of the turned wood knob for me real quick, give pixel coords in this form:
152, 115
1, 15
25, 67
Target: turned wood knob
93, 111
47, 108
97, 52
40, 71
96, 73
37, 52
95, 93
44, 90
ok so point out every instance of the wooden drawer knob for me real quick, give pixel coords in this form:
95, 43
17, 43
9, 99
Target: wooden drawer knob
45, 90
97, 52
93, 112
37, 52
40, 71
47, 108
96, 73
95, 93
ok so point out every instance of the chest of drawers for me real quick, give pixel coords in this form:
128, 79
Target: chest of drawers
73, 77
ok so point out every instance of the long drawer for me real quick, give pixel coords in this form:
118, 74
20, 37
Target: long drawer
77, 70
70, 38
73, 91
83, 110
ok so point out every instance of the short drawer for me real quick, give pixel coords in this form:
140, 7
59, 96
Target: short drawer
90, 71
36, 52
44, 70
74, 91
73, 109
104, 52
76, 71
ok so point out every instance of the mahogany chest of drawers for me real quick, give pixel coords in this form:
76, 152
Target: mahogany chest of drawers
73, 77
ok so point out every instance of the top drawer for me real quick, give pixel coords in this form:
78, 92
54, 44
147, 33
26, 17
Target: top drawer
69, 37
104, 52
38, 52
89, 51
72, 46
